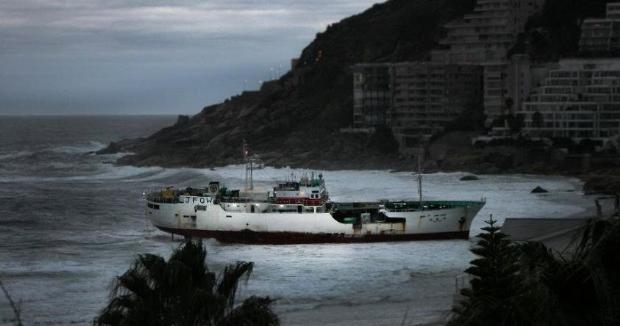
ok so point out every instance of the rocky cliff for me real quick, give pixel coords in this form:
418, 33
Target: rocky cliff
296, 119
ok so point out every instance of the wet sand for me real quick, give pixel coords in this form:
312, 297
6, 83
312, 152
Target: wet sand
373, 314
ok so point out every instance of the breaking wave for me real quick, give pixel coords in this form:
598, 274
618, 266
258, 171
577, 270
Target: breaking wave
55, 151
13, 155
105, 172
111, 172
91, 146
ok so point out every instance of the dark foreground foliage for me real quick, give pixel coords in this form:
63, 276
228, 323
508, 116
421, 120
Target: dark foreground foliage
182, 291
528, 284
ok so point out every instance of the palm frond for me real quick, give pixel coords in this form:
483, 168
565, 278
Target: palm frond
254, 311
182, 291
229, 281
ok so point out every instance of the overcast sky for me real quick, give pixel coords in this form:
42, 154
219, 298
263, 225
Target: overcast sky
149, 56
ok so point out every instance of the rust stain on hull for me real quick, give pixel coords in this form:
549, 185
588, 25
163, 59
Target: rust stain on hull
251, 237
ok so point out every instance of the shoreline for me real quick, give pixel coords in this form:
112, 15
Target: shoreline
594, 182
412, 303
451, 152
366, 314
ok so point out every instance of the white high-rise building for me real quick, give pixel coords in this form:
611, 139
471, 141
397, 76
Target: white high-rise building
578, 100
601, 36
523, 77
484, 38
414, 99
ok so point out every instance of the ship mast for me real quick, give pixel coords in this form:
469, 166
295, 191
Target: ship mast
249, 177
420, 179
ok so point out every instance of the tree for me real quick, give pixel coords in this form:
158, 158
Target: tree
560, 290
491, 298
182, 291
598, 251
537, 120
470, 119
383, 140
529, 284
581, 289
515, 122
508, 105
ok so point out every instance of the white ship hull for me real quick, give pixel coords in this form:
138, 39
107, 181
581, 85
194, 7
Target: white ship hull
258, 222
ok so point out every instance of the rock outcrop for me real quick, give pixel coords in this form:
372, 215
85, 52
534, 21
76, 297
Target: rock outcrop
539, 190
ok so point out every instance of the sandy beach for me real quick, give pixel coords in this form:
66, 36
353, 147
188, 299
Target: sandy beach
372, 314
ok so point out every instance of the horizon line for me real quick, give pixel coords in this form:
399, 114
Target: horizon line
91, 114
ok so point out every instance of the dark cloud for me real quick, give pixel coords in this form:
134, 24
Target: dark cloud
115, 56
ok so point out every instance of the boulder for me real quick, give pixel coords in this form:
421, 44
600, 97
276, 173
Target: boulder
113, 148
539, 190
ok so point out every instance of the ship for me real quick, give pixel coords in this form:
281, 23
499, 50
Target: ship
299, 210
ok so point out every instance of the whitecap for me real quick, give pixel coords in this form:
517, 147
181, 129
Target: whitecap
61, 165
91, 146
112, 172
105, 172
13, 155
116, 155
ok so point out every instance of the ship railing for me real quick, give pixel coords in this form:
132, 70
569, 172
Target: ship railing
163, 200
411, 206
242, 200
157, 196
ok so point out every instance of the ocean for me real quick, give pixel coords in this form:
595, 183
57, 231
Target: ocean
70, 221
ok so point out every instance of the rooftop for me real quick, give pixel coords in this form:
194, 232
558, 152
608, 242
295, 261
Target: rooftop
555, 233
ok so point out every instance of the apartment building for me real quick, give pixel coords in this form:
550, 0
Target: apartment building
417, 99
484, 38
601, 36
580, 99
372, 94
414, 99
523, 76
